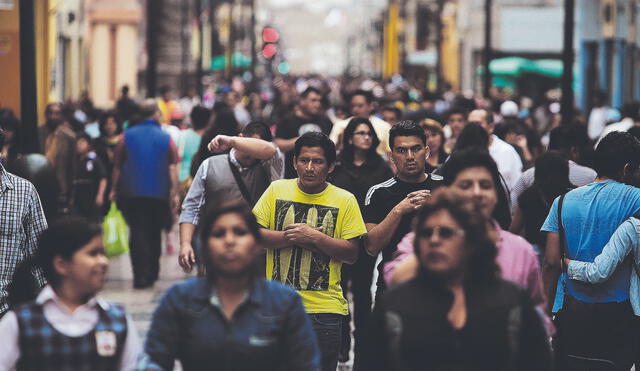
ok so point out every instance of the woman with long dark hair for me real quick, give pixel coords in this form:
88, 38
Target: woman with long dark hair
435, 141
456, 313
233, 316
551, 180
359, 167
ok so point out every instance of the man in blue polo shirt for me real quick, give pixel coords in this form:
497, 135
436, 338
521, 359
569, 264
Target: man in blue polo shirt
146, 178
595, 321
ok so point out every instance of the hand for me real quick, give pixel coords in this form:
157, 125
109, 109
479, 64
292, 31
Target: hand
186, 257
301, 234
112, 196
521, 141
419, 198
220, 143
99, 200
566, 263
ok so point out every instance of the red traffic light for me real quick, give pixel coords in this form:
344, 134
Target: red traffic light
269, 51
270, 35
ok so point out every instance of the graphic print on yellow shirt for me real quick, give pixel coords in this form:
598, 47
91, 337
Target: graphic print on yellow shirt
297, 267
312, 273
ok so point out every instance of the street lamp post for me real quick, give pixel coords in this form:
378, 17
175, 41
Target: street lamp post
566, 106
487, 48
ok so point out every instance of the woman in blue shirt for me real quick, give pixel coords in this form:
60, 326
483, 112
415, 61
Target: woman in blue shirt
232, 319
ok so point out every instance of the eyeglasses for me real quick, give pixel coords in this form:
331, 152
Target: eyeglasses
444, 233
363, 133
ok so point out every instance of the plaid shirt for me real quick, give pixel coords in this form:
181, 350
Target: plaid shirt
21, 222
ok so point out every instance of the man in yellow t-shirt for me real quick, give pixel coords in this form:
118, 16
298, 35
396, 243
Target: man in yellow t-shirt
310, 228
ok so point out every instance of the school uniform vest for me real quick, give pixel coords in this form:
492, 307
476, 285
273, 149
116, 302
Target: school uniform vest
43, 347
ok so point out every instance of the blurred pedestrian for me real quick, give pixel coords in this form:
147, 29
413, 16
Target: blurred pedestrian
234, 101
145, 178
362, 104
89, 181
551, 180
358, 168
10, 124
456, 314
105, 148
68, 327
435, 141
242, 175
224, 123
578, 226
505, 156
306, 117
571, 142
244, 322
456, 121
390, 206
58, 143
391, 114
22, 222
190, 139
311, 228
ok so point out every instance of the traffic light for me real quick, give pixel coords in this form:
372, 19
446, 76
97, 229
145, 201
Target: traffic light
270, 39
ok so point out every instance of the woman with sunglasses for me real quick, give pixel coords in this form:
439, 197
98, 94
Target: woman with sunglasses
232, 318
456, 314
358, 168
473, 173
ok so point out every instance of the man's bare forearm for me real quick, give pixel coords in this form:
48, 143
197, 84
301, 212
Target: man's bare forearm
258, 148
285, 145
551, 268
274, 239
380, 235
345, 251
186, 233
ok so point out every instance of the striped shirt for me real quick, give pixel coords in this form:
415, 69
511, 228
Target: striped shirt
21, 222
578, 176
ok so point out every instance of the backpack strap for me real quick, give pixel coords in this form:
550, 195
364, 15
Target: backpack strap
563, 247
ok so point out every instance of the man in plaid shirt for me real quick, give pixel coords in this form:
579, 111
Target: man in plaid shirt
21, 222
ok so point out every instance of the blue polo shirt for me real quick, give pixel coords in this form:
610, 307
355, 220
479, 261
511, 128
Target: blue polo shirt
145, 154
590, 215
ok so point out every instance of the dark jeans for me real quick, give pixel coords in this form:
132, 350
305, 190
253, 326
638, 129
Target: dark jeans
146, 218
328, 329
361, 276
596, 331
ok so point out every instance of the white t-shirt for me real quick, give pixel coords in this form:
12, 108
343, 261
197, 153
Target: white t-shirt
507, 159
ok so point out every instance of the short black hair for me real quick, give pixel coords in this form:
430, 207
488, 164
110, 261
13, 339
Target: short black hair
315, 139
200, 117
259, 128
473, 135
64, 238
84, 136
102, 122
368, 96
565, 137
406, 128
310, 90
457, 110
165, 89
615, 151
488, 114
396, 111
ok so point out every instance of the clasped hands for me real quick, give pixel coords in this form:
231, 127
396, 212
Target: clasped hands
303, 235
414, 201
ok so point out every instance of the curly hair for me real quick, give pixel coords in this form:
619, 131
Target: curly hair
478, 238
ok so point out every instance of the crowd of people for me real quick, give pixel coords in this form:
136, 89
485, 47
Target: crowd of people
451, 232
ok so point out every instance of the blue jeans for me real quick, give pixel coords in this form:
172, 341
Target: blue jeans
328, 329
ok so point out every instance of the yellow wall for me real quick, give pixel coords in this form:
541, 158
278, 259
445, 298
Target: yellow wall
450, 51
10, 58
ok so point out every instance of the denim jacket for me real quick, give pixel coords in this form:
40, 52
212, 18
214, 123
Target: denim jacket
625, 240
269, 330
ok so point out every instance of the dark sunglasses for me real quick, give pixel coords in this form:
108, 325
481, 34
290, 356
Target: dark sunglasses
443, 232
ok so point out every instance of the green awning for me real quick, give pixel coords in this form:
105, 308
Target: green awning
238, 59
514, 67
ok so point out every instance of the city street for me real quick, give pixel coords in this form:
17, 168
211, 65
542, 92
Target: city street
140, 303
